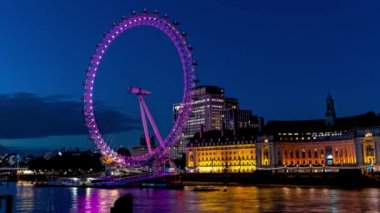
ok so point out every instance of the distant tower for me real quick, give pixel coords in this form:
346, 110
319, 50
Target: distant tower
330, 111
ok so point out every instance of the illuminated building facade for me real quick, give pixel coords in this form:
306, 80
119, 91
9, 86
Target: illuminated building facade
207, 105
211, 110
338, 142
332, 151
350, 141
206, 110
212, 152
359, 147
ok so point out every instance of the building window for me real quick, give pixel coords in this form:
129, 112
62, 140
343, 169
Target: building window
370, 150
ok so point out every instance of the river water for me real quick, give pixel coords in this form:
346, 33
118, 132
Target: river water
237, 199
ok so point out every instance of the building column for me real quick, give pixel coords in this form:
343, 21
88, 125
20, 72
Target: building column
195, 159
359, 152
258, 155
377, 151
272, 154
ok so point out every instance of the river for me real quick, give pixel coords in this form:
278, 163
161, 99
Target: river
236, 199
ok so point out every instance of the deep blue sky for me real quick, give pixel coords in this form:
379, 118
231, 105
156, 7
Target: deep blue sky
279, 58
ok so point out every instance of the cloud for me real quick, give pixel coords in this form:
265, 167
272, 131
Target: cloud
26, 115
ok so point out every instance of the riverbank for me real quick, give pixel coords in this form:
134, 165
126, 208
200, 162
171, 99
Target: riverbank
343, 178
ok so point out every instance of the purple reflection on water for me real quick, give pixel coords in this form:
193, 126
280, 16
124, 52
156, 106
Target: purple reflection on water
96, 200
237, 199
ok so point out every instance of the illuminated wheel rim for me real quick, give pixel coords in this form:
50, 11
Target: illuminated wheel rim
188, 67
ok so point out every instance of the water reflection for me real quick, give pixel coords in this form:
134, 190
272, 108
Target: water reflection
236, 199
28, 197
74, 197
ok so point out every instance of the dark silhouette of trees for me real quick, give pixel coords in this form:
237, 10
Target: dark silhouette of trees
124, 151
69, 163
181, 161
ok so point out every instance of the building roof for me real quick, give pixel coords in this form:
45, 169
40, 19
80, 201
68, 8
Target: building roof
215, 137
205, 89
341, 124
207, 86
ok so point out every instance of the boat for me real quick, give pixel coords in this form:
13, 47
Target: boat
204, 189
162, 185
75, 181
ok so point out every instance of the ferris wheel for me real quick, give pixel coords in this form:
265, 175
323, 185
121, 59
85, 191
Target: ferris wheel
171, 29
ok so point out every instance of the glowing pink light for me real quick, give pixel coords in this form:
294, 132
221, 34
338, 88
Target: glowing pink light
188, 73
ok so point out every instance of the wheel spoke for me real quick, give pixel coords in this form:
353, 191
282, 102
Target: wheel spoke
188, 68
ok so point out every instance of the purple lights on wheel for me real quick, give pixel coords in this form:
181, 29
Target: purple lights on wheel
188, 67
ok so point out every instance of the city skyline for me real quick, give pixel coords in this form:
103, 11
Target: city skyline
302, 49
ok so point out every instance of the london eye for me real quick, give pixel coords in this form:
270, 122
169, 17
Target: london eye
184, 50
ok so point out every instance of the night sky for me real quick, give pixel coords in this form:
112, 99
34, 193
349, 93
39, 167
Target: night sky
279, 58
